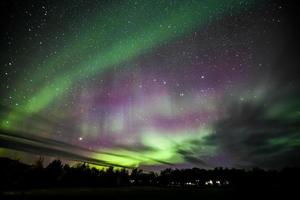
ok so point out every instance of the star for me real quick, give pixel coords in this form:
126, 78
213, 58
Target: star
157, 83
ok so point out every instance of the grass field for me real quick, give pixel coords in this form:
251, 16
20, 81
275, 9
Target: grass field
139, 193
118, 193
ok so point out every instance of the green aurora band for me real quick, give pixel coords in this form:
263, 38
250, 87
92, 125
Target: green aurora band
109, 42
148, 33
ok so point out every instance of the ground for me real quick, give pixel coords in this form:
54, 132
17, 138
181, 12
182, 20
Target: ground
143, 193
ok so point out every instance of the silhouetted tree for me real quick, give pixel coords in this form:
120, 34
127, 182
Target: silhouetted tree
16, 175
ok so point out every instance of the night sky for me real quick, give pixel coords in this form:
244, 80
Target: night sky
151, 84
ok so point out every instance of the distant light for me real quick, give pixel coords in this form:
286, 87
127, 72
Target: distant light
80, 138
131, 181
189, 183
210, 182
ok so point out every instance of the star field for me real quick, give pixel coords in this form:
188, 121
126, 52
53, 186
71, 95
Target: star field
151, 83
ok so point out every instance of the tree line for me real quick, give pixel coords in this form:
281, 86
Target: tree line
17, 175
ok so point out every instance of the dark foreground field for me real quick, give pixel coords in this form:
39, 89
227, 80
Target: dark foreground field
146, 193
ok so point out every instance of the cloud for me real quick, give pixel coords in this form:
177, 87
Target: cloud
250, 136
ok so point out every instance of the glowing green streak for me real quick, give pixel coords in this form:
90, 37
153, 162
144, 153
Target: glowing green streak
162, 147
182, 19
288, 142
288, 110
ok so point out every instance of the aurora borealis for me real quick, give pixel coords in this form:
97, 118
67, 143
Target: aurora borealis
151, 83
